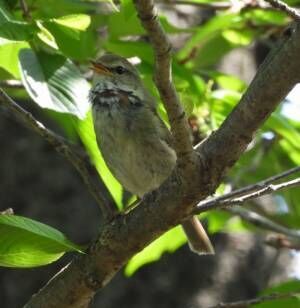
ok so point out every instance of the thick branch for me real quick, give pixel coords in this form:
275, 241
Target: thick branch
89, 175
163, 79
126, 235
274, 79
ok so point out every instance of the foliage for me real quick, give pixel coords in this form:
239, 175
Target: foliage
292, 286
27, 243
49, 51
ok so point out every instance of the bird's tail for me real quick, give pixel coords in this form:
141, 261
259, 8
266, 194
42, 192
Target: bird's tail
199, 241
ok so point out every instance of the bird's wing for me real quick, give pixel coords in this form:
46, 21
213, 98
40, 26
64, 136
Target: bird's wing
164, 131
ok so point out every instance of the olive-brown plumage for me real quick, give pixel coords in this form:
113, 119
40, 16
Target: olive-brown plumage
135, 143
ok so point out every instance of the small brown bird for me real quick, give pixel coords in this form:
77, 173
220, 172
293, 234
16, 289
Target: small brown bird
135, 143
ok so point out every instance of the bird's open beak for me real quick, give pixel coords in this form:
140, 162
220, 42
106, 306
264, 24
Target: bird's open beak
100, 68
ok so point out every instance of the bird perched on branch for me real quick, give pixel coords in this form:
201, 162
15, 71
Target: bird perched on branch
134, 141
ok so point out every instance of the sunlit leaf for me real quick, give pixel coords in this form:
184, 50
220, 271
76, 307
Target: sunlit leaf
9, 53
13, 29
86, 132
54, 82
265, 17
286, 287
208, 31
227, 82
28, 243
72, 35
169, 242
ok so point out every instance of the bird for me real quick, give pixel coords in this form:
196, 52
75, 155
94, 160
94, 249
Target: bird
134, 141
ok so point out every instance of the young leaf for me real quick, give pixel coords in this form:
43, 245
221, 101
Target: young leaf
87, 135
12, 29
169, 242
28, 243
54, 82
286, 287
9, 51
72, 35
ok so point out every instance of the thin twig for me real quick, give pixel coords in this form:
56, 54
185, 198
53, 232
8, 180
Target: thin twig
281, 241
14, 84
25, 9
261, 184
95, 185
203, 5
248, 302
234, 6
263, 191
162, 50
8, 211
245, 191
263, 222
226, 202
128, 234
281, 6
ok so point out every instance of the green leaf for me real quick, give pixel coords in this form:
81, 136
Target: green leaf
280, 124
225, 222
85, 129
126, 22
9, 53
169, 242
55, 8
219, 44
221, 103
54, 82
286, 287
227, 82
45, 36
208, 31
12, 29
130, 49
11, 3
72, 35
28, 243
217, 221
123, 24
261, 17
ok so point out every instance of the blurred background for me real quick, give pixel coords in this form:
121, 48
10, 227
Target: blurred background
45, 50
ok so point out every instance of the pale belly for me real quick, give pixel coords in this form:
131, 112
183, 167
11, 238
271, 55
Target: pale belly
140, 163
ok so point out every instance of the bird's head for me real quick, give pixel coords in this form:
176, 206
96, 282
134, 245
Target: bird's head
115, 71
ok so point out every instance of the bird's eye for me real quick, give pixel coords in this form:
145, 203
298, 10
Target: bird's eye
120, 70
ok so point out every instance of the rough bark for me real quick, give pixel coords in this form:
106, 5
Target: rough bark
127, 234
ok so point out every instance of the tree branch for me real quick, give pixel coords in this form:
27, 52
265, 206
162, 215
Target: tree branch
162, 50
258, 300
263, 222
274, 79
88, 173
75, 285
281, 6
224, 201
250, 188
203, 5
237, 6
281, 241
25, 9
